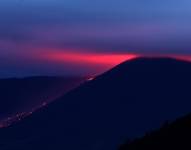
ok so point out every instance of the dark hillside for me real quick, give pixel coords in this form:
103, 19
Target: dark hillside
131, 99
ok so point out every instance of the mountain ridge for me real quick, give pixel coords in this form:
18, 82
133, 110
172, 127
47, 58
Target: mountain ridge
129, 100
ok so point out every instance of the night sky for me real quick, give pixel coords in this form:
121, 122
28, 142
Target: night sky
82, 37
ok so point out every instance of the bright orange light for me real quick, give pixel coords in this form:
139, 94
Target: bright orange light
90, 79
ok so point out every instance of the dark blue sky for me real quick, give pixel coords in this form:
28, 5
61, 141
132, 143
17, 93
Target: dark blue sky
59, 37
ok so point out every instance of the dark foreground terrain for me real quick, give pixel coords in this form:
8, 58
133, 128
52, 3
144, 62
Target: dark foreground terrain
175, 136
131, 99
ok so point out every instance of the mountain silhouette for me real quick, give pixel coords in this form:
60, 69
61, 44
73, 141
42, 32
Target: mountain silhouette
24, 94
125, 102
176, 136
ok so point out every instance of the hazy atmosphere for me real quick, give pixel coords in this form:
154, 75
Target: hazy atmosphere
82, 37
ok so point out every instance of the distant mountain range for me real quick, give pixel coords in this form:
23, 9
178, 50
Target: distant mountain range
131, 99
25, 94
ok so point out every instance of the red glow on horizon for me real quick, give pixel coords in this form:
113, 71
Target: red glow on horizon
183, 57
88, 58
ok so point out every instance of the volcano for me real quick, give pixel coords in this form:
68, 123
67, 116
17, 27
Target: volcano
127, 101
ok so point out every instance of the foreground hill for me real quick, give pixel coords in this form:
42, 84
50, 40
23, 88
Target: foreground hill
24, 94
134, 97
176, 136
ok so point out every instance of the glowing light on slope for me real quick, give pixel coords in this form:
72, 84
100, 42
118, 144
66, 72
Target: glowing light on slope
91, 78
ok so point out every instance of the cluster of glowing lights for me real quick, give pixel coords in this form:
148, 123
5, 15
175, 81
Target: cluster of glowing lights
19, 116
